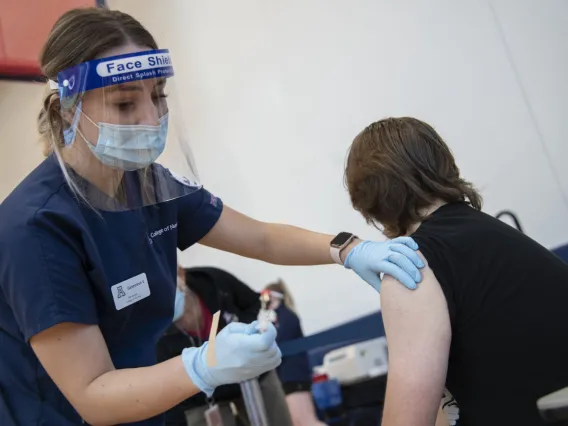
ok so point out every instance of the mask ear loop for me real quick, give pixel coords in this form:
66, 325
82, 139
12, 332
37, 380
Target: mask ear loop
89, 144
86, 116
76, 119
69, 134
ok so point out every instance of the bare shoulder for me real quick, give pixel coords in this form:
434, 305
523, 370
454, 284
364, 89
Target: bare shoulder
396, 297
415, 319
418, 334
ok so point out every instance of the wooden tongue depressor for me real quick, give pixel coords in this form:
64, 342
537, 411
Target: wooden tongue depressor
211, 357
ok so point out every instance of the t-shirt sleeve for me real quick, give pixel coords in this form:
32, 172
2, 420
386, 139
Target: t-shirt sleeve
197, 215
42, 276
440, 261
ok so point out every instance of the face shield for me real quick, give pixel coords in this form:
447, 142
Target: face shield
124, 146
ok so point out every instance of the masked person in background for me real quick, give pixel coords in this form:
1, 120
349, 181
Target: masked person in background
294, 371
202, 292
103, 219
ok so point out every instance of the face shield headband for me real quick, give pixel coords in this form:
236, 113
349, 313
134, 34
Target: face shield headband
109, 71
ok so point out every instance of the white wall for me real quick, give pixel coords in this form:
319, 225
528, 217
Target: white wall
20, 104
275, 92
536, 35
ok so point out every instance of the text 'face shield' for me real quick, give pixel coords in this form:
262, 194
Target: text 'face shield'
124, 142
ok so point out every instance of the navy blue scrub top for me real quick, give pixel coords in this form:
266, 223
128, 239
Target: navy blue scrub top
294, 368
60, 261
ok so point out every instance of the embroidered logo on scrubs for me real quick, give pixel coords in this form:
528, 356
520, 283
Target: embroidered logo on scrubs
161, 231
183, 180
213, 201
130, 291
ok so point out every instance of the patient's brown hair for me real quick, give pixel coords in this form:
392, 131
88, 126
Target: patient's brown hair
397, 168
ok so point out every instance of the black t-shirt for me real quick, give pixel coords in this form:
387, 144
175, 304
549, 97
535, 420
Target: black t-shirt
508, 302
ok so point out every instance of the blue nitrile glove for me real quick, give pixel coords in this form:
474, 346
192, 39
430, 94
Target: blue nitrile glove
395, 257
242, 352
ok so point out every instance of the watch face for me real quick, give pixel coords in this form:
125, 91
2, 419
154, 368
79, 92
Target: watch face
340, 239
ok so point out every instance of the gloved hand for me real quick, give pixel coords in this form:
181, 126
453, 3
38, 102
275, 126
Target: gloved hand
396, 257
242, 353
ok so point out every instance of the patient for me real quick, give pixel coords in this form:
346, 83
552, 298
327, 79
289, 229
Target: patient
490, 319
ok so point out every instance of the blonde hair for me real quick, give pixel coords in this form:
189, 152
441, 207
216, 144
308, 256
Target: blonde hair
280, 287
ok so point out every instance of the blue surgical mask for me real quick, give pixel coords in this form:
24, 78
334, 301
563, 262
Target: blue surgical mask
179, 304
129, 147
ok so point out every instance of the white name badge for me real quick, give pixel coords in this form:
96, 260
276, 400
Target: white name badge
130, 291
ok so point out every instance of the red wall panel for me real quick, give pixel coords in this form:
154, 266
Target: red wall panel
24, 26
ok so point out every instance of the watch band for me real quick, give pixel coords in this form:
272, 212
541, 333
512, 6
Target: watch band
335, 251
336, 255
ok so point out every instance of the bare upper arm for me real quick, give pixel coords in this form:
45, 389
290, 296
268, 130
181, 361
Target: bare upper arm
73, 355
418, 333
237, 233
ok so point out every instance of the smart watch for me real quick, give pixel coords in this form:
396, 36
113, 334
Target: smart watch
340, 241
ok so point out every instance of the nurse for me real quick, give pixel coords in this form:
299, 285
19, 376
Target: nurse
88, 242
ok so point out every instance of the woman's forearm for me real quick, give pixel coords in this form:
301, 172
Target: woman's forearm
129, 395
270, 242
290, 245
